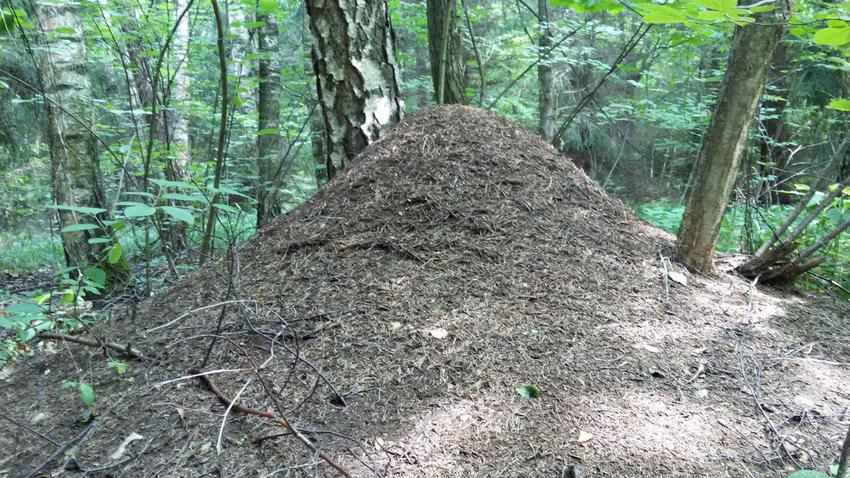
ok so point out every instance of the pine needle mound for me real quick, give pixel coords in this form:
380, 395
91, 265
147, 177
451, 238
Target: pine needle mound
405, 317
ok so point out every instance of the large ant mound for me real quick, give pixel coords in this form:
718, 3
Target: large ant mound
462, 301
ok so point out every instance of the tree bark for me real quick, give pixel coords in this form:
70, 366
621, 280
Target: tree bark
268, 117
444, 47
726, 138
73, 155
356, 75
546, 100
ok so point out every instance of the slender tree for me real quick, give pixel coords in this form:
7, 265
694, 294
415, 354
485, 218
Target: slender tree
268, 115
73, 154
776, 132
726, 138
444, 47
356, 75
180, 88
546, 101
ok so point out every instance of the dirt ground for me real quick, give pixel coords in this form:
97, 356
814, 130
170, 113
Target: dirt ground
392, 317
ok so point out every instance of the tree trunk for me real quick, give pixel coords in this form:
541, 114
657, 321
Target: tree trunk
546, 101
180, 90
356, 74
268, 117
444, 47
73, 156
317, 141
726, 138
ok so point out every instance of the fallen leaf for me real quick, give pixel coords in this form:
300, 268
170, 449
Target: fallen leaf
584, 437
395, 325
7, 371
439, 333
38, 418
678, 277
122, 448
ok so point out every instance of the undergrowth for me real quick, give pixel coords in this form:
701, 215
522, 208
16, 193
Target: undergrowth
745, 228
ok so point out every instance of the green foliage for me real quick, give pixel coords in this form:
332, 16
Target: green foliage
833, 472
528, 391
739, 235
28, 249
85, 390
119, 366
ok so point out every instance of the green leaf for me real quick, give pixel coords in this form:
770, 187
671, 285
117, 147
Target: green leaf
528, 391
720, 5
180, 214
833, 36
710, 16
808, 474
164, 183
267, 6
227, 190
226, 208
79, 227
130, 203
138, 193
24, 308
119, 366
139, 211
839, 105
99, 240
86, 394
182, 197
267, 132
115, 254
662, 14
96, 275
80, 209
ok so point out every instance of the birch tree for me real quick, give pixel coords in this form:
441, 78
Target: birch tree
357, 79
73, 153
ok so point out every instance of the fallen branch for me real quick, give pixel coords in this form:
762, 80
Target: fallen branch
124, 349
268, 414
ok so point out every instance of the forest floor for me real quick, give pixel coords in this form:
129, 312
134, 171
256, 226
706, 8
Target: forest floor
392, 317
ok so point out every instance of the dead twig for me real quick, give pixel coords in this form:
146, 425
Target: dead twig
844, 461
42, 435
124, 349
64, 446
270, 415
